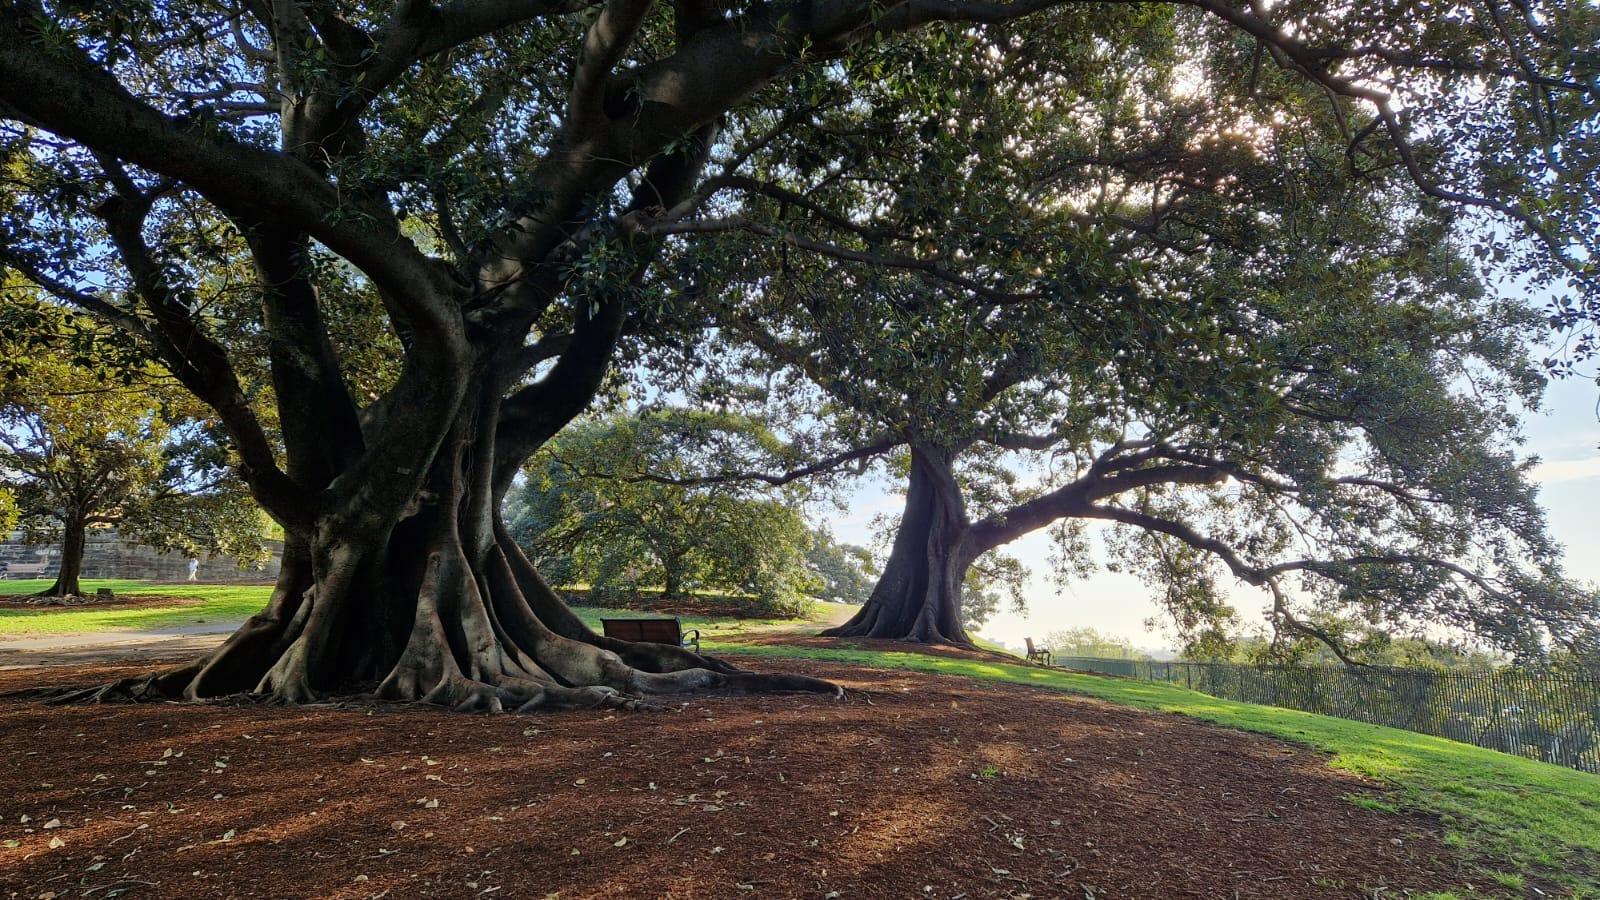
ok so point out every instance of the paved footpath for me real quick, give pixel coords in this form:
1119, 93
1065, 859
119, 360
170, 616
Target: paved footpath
117, 645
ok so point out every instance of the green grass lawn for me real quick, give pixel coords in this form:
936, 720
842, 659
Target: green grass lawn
221, 603
1516, 817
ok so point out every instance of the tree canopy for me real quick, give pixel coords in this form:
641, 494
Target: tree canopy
1266, 360
395, 247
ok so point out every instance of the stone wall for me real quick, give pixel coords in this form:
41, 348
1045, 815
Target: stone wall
107, 555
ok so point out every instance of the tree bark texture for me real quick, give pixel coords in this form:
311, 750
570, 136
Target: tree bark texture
918, 597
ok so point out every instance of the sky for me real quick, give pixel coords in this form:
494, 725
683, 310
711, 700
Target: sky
1565, 435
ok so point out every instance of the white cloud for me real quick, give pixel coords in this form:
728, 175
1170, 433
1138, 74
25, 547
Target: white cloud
1560, 470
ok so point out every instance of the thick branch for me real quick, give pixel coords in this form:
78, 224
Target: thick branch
321, 431
607, 39
535, 413
65, 92
201, 364
1076, 498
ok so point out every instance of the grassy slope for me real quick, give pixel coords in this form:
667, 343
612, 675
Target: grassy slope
1531, 815
1521, 815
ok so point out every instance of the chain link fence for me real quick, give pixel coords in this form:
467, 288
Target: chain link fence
1554, 717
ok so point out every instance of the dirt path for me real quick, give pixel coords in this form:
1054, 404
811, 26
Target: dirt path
913, 786
113, 646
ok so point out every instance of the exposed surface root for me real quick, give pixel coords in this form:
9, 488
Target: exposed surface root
123, 690
664, 657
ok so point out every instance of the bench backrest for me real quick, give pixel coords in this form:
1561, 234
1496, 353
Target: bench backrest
648, 631
1029, 642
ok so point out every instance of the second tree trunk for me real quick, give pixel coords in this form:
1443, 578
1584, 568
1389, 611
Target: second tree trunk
918, 597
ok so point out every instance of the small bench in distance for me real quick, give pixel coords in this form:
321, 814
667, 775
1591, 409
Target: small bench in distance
1040, 655
665, 630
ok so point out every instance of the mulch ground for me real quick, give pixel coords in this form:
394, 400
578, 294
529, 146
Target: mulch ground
912, 786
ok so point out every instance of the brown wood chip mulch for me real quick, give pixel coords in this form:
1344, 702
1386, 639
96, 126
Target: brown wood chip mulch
912, 786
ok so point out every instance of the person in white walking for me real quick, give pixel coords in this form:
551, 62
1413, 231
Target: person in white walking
194, 566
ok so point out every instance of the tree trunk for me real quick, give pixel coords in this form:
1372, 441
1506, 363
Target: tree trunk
918, 597
437, 605
67, 577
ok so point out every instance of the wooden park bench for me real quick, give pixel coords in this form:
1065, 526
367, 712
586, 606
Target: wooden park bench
1040, 655
665, 630
26, 570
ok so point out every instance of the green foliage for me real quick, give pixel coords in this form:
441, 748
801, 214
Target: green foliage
8, 510
991, 581
598, 507
846, 572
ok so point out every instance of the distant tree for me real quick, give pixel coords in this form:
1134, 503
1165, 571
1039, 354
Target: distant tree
78, 451
1422, 653
1086, 641
599, 506
846, 571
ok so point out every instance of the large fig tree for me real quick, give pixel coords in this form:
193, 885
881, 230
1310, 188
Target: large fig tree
494, 180
1253, 345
